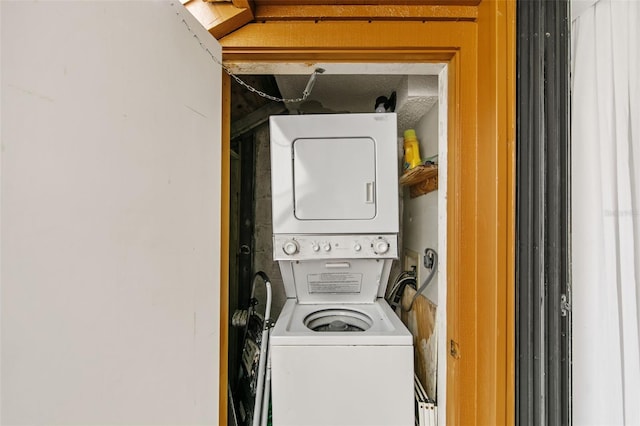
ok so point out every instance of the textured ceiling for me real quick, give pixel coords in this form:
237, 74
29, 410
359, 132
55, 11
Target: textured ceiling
358, 93
338, 93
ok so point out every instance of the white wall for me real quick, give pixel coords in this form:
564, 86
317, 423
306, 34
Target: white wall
420, 214
110, 216
424, 226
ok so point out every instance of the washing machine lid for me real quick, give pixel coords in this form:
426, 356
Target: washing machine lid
343, 281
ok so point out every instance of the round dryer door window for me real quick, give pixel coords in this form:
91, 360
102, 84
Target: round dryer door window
338, 320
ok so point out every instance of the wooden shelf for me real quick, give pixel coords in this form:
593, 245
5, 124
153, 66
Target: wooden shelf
421, 179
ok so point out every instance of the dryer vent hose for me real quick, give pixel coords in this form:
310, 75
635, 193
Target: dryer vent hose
434, 267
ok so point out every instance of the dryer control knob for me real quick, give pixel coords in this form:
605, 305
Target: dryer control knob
291, 247
315, 247
357, 247
381, 246
327, 247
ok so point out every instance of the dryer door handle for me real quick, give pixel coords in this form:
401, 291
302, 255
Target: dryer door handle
369, 192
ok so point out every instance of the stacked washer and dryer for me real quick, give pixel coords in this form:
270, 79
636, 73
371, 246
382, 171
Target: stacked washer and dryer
339, 355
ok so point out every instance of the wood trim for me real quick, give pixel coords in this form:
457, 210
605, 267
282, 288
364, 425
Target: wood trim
239, 57
496, 131
219, 18
507, 32
225, 172
350, 12
455, 135
244, 4
309, 38
462, 315
449, 3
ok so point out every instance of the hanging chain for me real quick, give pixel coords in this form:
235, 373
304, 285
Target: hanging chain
305, 93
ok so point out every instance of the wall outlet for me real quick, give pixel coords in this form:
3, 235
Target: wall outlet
412, 261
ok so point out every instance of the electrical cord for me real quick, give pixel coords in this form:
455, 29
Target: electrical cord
394, 295
398, 278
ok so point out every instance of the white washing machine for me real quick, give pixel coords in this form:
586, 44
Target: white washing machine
341, 365
339, 355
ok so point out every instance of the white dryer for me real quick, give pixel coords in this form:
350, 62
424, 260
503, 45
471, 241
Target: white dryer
340, 356
334, 173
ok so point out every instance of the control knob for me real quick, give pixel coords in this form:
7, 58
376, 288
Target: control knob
327, 247
291, 247
381, 246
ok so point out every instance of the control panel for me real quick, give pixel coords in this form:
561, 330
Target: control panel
305, 247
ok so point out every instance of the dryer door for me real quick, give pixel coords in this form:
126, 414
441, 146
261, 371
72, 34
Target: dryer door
334, 179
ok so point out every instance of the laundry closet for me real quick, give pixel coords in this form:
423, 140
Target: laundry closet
419, 94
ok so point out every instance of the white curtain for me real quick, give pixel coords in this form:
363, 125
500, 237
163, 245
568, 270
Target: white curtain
606, 213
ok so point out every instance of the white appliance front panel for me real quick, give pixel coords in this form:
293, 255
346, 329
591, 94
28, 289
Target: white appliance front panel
350, 385
334, 179
334, 173
335, 280
313, 247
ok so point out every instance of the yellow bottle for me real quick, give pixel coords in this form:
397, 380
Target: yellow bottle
411, 150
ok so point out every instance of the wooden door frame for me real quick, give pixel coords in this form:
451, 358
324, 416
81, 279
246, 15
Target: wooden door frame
480, 226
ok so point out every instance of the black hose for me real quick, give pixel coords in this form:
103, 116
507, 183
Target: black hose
261, 275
